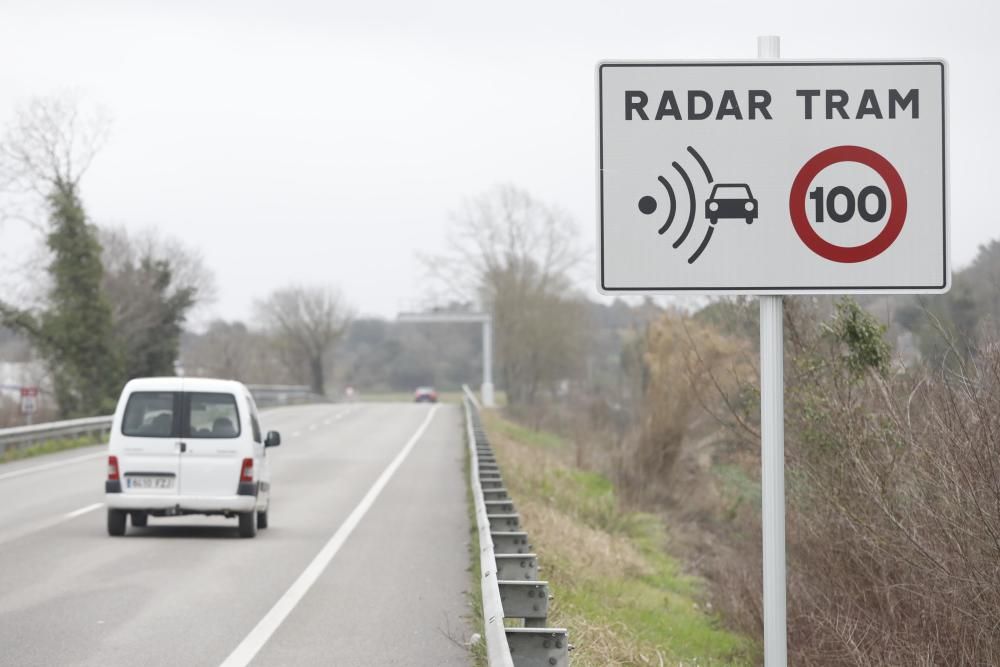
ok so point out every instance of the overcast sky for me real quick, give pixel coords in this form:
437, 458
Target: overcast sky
303, 142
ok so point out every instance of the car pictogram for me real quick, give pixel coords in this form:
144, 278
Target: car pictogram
732, 201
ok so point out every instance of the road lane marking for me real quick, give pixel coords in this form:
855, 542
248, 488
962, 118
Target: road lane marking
45, 525
253, 642
82, 511
343, 413
49, 466
326, 422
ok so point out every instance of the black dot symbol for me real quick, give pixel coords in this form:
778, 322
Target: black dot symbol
647, 204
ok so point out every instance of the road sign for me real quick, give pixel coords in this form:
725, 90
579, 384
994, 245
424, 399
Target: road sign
29, 400
772, 177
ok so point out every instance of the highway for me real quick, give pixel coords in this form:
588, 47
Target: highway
365, 561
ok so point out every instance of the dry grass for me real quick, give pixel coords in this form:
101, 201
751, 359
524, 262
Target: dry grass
623, 599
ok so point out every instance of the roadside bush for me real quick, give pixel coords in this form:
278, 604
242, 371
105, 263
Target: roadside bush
682, 361
893, 494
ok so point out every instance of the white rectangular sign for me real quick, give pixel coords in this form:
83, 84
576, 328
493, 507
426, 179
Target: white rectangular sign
772, 177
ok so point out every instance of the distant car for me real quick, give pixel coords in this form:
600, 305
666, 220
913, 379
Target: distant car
731, 200
187, 446
425, 395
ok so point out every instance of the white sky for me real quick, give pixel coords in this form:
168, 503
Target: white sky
327, 142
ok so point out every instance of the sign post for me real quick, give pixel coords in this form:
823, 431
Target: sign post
772, 455
29, 403
771, 177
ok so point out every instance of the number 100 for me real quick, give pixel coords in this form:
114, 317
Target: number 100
828, 204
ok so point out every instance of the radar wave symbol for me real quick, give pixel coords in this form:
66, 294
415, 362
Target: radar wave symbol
647, 205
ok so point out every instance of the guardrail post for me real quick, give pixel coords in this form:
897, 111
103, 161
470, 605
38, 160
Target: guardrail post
538, 647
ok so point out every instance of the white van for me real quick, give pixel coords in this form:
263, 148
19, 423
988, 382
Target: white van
187, 446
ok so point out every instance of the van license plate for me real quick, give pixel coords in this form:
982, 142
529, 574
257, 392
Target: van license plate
149, 482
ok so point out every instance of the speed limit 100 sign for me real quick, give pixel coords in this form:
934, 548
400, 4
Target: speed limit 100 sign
772, 177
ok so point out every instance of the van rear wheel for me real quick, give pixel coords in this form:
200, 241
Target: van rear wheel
248, 524
116, 522
140, 519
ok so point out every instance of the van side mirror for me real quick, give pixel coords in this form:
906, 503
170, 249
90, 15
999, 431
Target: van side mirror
273, 439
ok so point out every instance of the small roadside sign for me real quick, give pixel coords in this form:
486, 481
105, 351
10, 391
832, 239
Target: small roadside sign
29, 400
772, 177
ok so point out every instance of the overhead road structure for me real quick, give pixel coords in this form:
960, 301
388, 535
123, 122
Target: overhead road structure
484, 319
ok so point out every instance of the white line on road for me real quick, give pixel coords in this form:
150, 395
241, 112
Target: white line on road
44, 525
48, 466
83, 510
253, 642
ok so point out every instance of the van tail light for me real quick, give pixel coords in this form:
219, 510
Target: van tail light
113, 469
246, 471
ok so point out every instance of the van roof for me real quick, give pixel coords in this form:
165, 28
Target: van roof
185, 383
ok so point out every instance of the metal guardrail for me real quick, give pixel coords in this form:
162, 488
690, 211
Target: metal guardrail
21, 437
511, 589
270, 395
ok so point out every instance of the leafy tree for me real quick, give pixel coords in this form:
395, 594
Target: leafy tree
152, 285
48, 151
862, 339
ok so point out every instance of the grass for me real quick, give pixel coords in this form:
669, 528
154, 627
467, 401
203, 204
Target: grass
623, 598
50, 447
527, 436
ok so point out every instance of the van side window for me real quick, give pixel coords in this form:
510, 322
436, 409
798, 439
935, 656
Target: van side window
254, 420
212, 415
150, 414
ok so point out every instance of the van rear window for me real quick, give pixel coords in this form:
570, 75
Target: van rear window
213, 416
150, 414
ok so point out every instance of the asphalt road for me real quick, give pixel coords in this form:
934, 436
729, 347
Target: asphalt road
364, 563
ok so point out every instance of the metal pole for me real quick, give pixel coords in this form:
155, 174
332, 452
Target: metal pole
487, 389
772, 456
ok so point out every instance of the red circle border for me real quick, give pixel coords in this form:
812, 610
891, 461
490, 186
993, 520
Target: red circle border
800, 219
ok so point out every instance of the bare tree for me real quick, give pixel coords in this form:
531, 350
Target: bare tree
305, 324
50, 144
516, 255
232, 350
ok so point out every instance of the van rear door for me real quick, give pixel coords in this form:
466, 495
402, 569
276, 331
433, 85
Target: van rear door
214, 446
149, 455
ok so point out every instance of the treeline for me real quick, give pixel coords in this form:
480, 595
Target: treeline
957, 324
378, 355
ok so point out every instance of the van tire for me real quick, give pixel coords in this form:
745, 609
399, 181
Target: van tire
262, 519
248, 524
116, 522
140, 519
